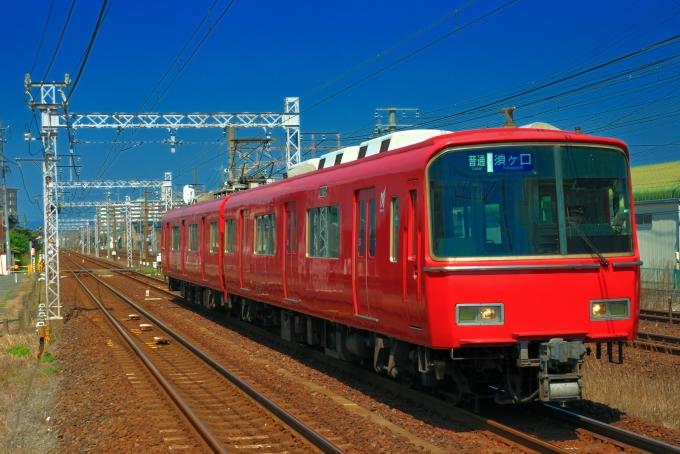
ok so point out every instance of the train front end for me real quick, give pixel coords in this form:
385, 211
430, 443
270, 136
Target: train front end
532, 260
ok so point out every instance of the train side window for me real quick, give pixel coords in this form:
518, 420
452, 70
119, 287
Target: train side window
175, 238
323, 232
362, 151
214, 237
193, 237
394, 230
265, 234
384, 145
229, 236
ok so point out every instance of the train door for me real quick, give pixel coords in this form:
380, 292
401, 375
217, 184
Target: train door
364, 253
183, 245
202, 244
243, 252
167, 244
291, 281
411, 241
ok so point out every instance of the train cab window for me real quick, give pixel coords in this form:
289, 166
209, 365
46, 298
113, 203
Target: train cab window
362, 151
193, 237
384, 145
394, 230
322, 162
338, 159
175, 238
265, 234
323, 232
214, 237
529, 201
229, 236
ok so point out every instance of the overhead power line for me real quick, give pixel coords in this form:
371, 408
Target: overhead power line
430, 44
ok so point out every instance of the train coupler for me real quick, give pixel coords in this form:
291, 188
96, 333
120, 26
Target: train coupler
559, 370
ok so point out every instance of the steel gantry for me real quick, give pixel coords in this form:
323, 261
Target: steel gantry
289, 120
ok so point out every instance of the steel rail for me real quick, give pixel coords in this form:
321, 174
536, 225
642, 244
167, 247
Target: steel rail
300, 427
204, 433
615, 433
474, 421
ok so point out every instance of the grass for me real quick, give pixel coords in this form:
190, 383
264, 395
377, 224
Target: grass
648, 395
147, 270
50, 370
7, 296
26, 390
18, 350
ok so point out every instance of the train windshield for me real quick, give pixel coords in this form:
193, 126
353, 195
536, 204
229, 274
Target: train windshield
532, 200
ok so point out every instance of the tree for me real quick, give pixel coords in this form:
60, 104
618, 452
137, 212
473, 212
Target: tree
19, 238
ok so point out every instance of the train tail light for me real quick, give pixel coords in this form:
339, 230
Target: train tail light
609, 309
480, 314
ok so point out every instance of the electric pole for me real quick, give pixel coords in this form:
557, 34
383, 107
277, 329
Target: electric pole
391, 126
108, 227
146, 224
5, 214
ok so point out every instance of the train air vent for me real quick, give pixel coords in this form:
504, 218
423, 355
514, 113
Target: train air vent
322, 162
385, 145
338, 159
362, 151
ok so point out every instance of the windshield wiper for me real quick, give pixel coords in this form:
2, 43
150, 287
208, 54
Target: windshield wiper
587, 241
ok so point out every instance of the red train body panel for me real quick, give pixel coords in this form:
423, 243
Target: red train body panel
407, 221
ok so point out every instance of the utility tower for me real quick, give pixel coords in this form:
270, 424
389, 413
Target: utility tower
5, 212
46, 100
391, 126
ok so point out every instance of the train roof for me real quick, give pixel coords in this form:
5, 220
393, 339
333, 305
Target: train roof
531, 132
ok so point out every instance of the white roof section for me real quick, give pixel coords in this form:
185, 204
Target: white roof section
367, 148
540, 125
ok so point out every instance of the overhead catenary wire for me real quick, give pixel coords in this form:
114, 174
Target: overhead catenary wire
89, 49
63, 32
42, 38
105, 166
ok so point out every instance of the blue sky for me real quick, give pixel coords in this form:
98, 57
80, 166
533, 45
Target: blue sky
261, 52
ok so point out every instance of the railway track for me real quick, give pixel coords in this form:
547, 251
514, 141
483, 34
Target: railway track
224, 412
672, 317
603, 435
657, 342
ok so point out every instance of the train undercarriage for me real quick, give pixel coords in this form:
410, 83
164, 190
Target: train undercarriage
547, 370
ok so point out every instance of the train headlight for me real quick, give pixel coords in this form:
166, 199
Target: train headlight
610, 309
479, 314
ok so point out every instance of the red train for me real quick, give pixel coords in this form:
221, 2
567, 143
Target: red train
451, 260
